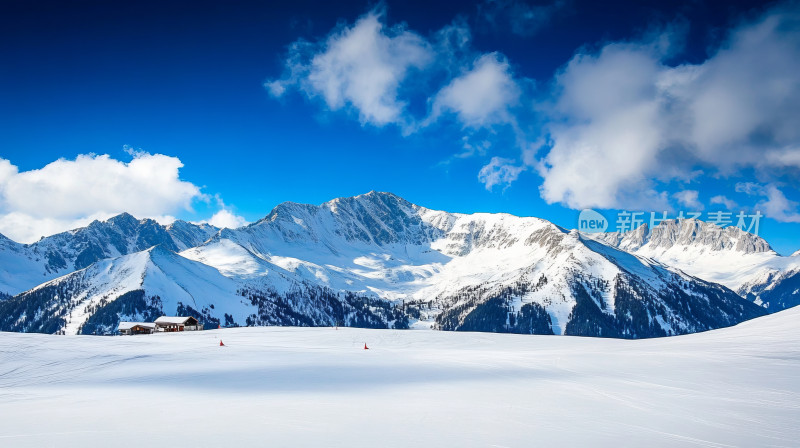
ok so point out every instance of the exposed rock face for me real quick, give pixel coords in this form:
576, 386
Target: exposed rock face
673, 233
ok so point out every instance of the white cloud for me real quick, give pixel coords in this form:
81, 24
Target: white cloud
689, 198
276, 88
749, 188
785, 157
482, 96
778, 207
624, 121
226, 219
24, 228
67, 194
361, 66
729, 204
499, 171
377, 70
775, 205
603, 152
620, 123
148, 185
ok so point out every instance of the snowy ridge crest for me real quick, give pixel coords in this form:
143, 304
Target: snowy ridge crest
687, 233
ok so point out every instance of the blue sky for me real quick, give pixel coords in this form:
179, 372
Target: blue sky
221, 110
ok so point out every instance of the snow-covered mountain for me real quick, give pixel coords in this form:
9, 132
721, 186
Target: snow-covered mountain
378, 260
739, 260
485, 272
116, 285
27, 265
20, 267
147, 284
777, 288
722, 255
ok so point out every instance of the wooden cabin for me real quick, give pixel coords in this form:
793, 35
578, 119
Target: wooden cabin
177, 323
131, 328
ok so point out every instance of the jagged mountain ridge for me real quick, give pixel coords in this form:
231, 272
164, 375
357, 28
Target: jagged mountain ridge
383, 245
602, 292
777, 288
672, 234
27, 265
739, 260
359, 259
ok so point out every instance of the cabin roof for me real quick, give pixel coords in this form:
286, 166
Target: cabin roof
129, 325
173, 319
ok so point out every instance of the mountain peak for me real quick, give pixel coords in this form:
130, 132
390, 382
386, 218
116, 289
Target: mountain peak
380, 194
373, 218
373, 196
123, 218
123, 215
182, 223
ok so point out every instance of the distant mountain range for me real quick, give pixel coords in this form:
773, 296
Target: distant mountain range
729, 256
23, 266
377, 260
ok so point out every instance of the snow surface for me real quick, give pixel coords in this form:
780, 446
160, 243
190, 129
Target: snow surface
282, 386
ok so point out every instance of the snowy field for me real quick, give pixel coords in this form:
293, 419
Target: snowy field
317, 387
